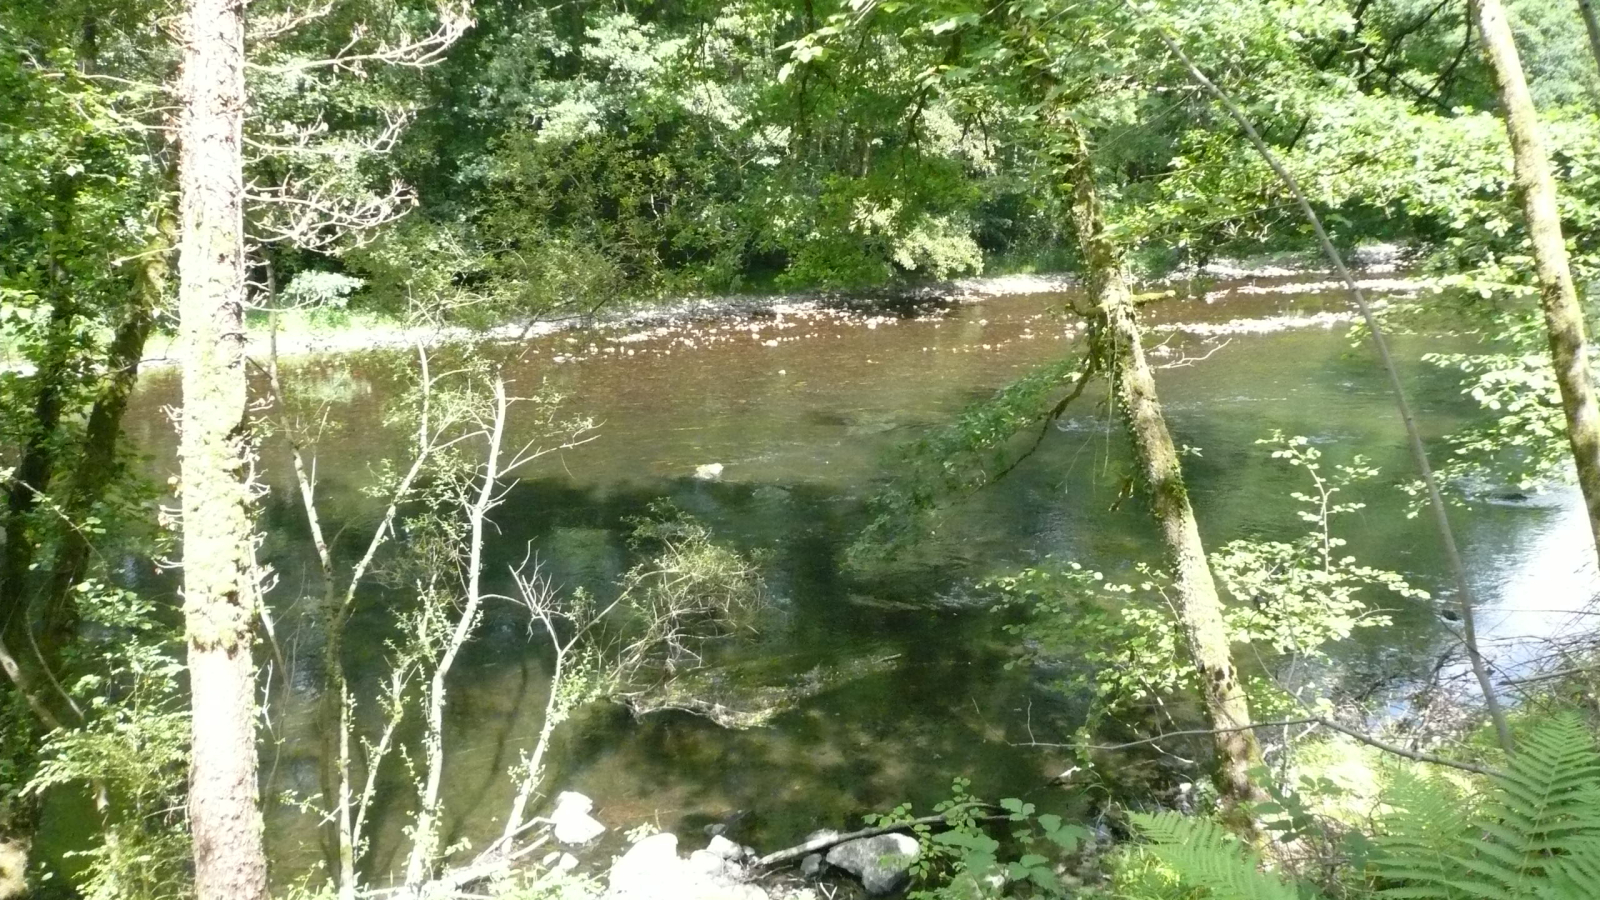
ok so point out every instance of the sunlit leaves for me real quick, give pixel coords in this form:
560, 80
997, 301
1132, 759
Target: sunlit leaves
1292, 599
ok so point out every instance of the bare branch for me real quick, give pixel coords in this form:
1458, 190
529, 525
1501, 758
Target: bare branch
272, 25
1370, 741
408, 51
310, 214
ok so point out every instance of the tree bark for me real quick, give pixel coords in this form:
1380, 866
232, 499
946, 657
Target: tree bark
1117, 343
218, 587
1419, 452
1536, 189
1591, 24
97, 467
21, 655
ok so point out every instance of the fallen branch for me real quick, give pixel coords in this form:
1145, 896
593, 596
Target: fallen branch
1055, 413
1550, 676
829, 841
1414, 755
452, 882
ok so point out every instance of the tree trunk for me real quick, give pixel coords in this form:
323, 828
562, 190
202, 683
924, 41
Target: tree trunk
21, 655
97, 467
1117, 342
1591, 24
1563, 316
218, 590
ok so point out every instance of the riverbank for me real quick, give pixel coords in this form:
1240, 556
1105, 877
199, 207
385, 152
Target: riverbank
316, 332
303, 333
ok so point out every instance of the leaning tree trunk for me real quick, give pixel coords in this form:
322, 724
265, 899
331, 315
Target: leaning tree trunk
23, 656
218, 591
1117, 344
1563, 316
97, 467
1591, 24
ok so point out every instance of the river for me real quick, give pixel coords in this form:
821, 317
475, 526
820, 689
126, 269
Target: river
800, 408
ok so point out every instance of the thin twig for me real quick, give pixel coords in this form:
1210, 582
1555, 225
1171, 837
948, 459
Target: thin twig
1414, 755
824, 842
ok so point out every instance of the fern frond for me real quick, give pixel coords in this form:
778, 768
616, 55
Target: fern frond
1574, 875
1417, 854
1547, 801
1203, 855
1536, 837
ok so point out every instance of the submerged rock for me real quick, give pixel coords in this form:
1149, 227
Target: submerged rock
571, 819
884, 603
652, 870
811, 866
739, 699
728, 824
770, 493
883, 863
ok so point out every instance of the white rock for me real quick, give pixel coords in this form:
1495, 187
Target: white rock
725, 848
704, 863
645, 867
573, 824
709, 472
652, 870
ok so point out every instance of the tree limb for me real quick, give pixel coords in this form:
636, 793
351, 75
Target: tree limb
825, 842
1419, 452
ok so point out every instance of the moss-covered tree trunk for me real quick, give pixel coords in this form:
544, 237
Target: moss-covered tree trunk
218, 592
1536, 189
24, 657
1591, 25
1117, 343
97, 466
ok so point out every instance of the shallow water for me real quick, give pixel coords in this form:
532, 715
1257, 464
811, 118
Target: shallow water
800, 409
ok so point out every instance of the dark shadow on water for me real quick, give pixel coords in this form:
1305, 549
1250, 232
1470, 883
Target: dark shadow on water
939, 707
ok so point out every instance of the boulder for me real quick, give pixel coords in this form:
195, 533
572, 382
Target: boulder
883, 863
649, 864
726, 849
707, 866
708, 472
770, 493
571, 820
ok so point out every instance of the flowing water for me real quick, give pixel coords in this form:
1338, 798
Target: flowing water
800, 409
